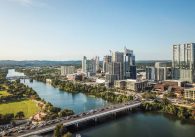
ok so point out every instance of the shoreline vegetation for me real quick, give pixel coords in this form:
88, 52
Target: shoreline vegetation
167, 108
108, 94
24, 101
99, 91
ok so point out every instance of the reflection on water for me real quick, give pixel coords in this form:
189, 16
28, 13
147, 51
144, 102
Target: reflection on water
142, 125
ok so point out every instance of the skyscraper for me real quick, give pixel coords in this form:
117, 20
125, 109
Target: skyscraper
97, 59
84, 64
118, 57
107, 59
89, 66
184, 62
129, 64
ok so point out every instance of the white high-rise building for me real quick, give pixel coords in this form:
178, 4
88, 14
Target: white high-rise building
65, 70
89, 66
84, 64
97, 59
184, 62
107, 59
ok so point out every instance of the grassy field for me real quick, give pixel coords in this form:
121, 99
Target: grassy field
27, 106
4, 93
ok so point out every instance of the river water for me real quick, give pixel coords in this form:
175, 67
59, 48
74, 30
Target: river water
133, 125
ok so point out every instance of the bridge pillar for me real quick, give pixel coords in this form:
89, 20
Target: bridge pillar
95, 119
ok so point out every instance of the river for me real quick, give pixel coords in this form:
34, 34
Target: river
132, 125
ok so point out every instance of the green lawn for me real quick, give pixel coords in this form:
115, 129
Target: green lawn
4, 93
27, 106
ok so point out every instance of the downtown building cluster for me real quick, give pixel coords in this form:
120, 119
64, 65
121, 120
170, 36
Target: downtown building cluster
182, 69
118, 69
119, 66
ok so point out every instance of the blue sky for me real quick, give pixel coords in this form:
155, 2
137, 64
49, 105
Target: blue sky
70, 29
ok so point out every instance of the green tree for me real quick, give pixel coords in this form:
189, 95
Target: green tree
20, 115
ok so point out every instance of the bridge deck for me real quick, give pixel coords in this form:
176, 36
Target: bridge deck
117, 108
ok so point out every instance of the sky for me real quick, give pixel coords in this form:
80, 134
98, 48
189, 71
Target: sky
71, 29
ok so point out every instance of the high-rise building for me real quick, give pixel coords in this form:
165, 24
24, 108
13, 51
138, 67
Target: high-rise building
84, 64
65, 70
107, 59
150, 73
89, 66
114, 69
118, 58
97, 59
184, 62
159, 72
129, 64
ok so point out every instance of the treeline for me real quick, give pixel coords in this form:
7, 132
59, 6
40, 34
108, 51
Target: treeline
54, 112
166, 107
61, 131
7, 118
99, 91
18, 91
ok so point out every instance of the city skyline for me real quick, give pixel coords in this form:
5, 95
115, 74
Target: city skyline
69, 30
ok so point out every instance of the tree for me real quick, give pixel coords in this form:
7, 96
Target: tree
65, 112
67, 135
20, 115
59, 130
165, 101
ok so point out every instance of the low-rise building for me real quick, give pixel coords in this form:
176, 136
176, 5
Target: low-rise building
48, 81
136, 85
75, 76
131, 84
120, 84
110, 78
189, 93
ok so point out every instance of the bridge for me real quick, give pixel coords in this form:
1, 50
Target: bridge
16, 77
77, 119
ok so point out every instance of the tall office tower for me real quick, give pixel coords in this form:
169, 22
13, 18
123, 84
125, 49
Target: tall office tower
114, 69
184, 62
84, 64
150, 73
97, 59
129, 64
107, 59
118, 57
91, 66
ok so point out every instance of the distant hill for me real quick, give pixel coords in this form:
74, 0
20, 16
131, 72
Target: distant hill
10, 63
152, 61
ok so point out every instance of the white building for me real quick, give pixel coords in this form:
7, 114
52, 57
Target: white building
184, 62
131, 84
65, 70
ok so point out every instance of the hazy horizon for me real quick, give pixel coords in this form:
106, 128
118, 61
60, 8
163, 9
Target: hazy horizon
70, 29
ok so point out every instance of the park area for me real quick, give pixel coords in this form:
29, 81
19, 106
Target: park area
28, 106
